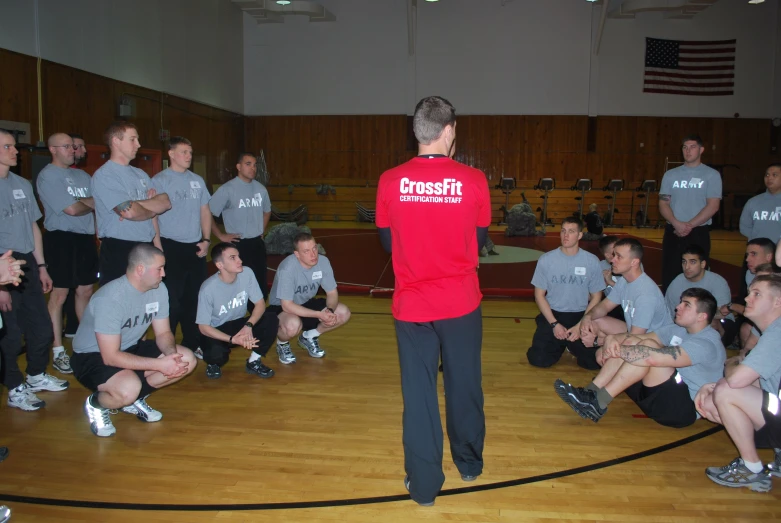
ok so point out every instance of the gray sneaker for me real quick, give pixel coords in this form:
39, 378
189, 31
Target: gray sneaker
775, 466
736, 474
286, 356
311, 346
143, 411
62, 363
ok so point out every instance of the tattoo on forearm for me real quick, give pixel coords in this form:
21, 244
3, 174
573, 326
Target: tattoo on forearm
122, 207
664, 197
634, 353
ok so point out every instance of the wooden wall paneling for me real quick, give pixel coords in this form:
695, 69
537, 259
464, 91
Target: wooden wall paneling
18, 91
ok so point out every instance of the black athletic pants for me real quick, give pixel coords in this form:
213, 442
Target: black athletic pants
69, 313
184, 275
546, 349
29, 317
253, 255
419, 345
216, 352
673, 247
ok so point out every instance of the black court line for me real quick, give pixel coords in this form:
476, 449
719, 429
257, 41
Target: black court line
357, 501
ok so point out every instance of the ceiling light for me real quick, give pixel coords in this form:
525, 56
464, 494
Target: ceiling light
432, 0
755, 1
283, 2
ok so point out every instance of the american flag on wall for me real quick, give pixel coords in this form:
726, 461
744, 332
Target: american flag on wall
690, 68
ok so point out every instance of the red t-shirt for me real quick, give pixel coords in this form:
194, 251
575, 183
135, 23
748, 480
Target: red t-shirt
433, 207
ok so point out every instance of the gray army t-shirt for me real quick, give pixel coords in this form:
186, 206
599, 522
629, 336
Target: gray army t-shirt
689, 188
765, 358
242, 206
293, 282
59, 188
710, 281
18, 212
113, 184
568, 280
220, 302
761, 217
642, 302
705, 351
187, 192
119, 308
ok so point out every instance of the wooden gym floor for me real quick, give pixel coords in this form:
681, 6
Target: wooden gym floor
321, 441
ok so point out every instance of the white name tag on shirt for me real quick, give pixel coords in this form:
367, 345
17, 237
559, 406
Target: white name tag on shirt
675, 341
580, 271
19, 194
152, 307
195, 185
317, 275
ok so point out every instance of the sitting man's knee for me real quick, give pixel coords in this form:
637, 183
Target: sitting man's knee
722, 394
187, 357
541, 358
290, 326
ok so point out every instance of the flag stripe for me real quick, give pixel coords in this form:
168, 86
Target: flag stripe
688, 84
669, 74
670, 91
715, 50
712, 42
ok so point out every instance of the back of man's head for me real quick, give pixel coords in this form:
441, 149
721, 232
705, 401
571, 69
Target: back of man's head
705, 301
142, 254
607, 241
768, 268
432, 115
635, 247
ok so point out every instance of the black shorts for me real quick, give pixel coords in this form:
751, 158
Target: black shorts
113, 258
90, 371
668, 403
769, 436
307, 324
72, 258
730, 330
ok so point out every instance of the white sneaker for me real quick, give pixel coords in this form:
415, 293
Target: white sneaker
198, 353
62, 363
286, 355
143, 411
46, 382
23, 398
99, 420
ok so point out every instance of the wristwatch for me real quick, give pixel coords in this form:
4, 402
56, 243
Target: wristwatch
553, 324
249, 324
330, 309
43, 265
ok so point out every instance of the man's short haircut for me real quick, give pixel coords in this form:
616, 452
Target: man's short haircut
635, 247
774, 164
573, 219
705, 301
432, 115
219, 249
606, 241
243, 154
75, 136
3, 131
177, 140
773, 281
769, 268
695, 250
692, 138
51, 137
117, 130
301, 237
766, 243
142, 254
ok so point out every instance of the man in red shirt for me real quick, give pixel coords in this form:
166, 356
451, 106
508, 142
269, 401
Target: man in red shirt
433, 215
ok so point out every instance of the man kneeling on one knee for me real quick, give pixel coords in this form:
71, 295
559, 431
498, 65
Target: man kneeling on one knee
109, 355
222, 307
660, 371
292, 299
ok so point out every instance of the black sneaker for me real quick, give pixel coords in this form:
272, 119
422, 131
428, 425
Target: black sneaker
582, 401
3, 453
213, 371
257, 367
